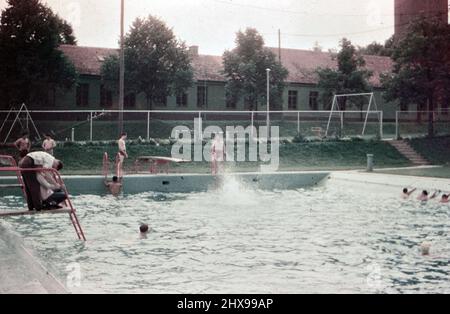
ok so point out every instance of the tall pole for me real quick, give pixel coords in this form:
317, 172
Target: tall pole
122, 67
268, 102
279, 45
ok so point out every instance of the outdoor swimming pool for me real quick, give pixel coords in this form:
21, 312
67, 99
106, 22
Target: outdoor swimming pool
342, 237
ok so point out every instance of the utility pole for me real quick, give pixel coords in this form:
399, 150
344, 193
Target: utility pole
122, 67
268, 103
279, 45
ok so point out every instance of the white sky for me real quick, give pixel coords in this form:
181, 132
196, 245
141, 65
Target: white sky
212, 24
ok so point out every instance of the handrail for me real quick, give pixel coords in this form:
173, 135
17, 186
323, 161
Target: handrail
18, 174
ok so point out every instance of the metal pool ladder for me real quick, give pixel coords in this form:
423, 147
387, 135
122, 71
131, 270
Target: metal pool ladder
68, 209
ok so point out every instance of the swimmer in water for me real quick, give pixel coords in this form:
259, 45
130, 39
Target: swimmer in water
444, 198
425, 248
115, 186
144, 230
423, 197
406, 193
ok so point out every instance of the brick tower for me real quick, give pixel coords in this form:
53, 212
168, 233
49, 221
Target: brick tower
407, 11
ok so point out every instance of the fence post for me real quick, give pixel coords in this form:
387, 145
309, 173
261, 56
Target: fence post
381, 125
253, 124
200, 126
397, 134
342, 124
298, 122
73, 135
148, 125
90, 128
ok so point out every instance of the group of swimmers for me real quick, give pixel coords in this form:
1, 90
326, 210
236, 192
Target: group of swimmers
425, 196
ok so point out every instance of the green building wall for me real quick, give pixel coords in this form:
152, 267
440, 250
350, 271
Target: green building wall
66, 100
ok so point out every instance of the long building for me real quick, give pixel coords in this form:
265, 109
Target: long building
208, 91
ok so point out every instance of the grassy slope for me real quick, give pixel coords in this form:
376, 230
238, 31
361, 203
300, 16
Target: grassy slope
436, 150
87, 159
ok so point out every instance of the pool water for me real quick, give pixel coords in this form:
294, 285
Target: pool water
339, 238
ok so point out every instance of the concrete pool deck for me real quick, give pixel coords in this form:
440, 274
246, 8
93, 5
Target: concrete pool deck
20, 271
394, 180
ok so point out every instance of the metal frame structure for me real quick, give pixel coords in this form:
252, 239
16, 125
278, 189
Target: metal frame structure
23, 109
69, 208
371, 100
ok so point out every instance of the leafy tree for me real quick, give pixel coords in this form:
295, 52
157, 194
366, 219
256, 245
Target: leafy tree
156, 63
421, 73
349, 77
377, 49
30, 63
245, 69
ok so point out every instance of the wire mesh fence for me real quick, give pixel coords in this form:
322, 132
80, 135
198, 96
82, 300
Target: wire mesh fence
85, 125
417, 123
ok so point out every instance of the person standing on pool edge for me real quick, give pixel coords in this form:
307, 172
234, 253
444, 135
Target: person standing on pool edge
49, 144
121, 155
23, 145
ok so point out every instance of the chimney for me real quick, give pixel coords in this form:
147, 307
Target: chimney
193, 51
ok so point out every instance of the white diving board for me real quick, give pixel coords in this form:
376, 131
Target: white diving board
34, 212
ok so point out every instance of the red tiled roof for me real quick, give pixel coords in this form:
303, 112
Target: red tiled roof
87, 60
301, 64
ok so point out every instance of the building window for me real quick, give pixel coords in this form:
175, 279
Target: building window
231, 103
182, 100
404, 107
445, 108
161, 101
202, 96
314, 100
130, 100
292, 99
51, 97
105, 97
83, 95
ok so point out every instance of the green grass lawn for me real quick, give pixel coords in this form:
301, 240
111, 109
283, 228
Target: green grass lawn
87, 159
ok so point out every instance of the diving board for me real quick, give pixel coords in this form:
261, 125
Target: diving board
157, 161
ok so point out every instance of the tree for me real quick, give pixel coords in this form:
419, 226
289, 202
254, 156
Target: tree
421, 73
317, 47
349, 77
245, 70
156, 63
377, 49
30, 63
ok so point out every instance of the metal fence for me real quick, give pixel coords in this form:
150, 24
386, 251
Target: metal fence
416, 123
102, 125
